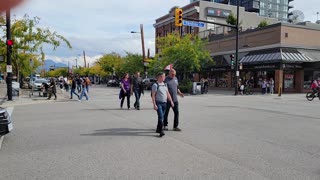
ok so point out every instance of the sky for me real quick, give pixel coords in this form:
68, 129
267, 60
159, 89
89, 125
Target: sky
104, 26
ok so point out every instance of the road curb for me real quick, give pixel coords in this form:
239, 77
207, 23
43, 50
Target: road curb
1, 140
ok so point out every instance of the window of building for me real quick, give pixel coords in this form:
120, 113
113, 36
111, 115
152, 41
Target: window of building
262, 4
289, 80
262, 12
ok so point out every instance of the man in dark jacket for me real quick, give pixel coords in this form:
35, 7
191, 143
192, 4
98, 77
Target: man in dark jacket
137, 89
53, 90
73, 88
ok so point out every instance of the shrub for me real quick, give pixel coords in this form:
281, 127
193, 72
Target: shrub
185, 86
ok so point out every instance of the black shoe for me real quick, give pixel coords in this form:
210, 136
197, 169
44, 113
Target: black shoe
157, 131
176, 129
138, 108
165, 128
162, 134
70, 98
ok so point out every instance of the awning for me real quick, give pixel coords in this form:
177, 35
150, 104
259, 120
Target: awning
281, 55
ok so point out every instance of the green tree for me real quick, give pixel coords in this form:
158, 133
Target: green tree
132, 63
111, 63
232, 19
263, 23
58, 72
29, 39
186, 53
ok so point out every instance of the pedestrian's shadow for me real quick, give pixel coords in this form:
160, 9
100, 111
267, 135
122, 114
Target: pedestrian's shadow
123, 132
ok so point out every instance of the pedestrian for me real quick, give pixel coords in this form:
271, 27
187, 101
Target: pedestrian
125, 88
206, 85
202, 85
84, 91
137, 89
271, 85
79, 83
172, 83
88, 83
53, 89
160, 96
264, 86
73, 88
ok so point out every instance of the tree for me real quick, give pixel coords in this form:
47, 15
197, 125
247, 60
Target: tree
29, 39
132, 63
111, 63
232, 19
187, 53
58, 72
263, 23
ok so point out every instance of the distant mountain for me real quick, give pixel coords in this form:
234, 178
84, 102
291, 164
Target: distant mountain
50, 63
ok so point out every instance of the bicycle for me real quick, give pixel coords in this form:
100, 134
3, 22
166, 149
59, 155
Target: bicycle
311, 95
247, 90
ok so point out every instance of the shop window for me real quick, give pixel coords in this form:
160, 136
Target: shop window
289, 80
308, 77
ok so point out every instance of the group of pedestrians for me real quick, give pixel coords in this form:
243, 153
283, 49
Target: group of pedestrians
164, 96
267, 86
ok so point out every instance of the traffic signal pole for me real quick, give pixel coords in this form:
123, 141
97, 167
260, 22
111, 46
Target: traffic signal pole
237, 52
9, 50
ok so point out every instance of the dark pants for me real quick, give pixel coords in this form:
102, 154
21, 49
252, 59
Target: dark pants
137, 94
79, 88
161, 111
128, 99
176, 114
54, 93
73, 91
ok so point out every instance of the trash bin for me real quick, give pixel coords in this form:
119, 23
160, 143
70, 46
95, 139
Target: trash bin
5, 122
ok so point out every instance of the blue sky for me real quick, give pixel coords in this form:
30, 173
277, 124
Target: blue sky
103, 26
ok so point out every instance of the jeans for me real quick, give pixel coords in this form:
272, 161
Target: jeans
128, 99
79, 88
73, 91
84, 93
161, 111
271, 89
137, 94
176, 114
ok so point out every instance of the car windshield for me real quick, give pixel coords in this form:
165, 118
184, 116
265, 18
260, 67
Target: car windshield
40, 81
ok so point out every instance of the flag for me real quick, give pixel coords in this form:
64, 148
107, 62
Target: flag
169, 67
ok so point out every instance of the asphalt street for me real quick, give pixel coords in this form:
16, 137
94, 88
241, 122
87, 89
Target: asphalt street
223, 137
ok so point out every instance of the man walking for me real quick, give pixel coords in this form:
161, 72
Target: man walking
73, 88
137, 89
172, 83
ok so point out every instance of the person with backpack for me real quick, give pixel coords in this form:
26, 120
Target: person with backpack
172, 83
160, 99
84, 90
79, 83
137, 89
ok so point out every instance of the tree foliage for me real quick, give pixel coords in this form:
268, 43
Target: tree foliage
263, 23
132, 63
187, 53
111, 63
29, 40
232, 19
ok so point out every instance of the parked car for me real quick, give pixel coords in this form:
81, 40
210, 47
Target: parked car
113, 83
148, 82
38, 83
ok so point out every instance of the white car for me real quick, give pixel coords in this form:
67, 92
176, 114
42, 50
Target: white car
38, 83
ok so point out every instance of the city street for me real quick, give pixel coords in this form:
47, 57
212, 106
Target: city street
223, 137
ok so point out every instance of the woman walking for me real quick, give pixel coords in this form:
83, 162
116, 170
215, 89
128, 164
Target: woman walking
125, 90
53, 89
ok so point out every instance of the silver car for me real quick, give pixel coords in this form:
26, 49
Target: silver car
38, 83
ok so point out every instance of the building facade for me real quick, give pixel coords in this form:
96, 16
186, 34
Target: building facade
209, 11
279, 9
289, 54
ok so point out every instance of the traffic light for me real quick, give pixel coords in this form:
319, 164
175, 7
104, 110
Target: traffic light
232, 60
178, 17
9, 45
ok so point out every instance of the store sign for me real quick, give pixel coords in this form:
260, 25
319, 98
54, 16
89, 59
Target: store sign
265, 67
292, 66
288, 76
218, 12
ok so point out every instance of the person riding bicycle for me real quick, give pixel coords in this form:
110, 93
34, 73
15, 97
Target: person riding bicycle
315, 86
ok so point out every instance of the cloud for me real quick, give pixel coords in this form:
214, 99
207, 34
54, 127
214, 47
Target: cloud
100, 26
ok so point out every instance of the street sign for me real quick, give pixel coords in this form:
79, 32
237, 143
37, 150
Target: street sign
9, 68
193, 23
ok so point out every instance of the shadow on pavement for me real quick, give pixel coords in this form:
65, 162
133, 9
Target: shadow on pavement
115, 109
123, 132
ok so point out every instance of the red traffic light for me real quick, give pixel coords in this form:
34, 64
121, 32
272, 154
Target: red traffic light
10, 42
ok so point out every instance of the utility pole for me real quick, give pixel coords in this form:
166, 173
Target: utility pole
84, 58
143, 50
9, 49
237, 52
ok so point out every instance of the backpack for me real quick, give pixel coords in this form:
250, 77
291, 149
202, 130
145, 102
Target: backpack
165, 84
88, 81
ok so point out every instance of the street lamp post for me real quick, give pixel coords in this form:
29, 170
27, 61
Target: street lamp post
143, 49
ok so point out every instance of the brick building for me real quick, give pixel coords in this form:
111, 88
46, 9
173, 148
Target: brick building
288, 53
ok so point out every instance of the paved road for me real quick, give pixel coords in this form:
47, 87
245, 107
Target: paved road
223, 137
